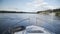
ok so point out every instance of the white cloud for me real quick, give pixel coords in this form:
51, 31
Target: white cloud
10, 9
36, 5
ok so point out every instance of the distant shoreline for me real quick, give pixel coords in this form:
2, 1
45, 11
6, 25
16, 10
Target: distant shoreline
17, 12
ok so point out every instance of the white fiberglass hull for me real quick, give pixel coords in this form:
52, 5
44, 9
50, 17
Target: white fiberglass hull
34, 30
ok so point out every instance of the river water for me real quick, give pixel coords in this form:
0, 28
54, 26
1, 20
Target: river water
49, 22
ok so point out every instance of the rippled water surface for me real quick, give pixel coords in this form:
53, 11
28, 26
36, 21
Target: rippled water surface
51, 23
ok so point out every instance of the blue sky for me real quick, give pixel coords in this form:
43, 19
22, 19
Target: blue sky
29, 5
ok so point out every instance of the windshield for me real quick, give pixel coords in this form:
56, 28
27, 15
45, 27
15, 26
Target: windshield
16, 15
